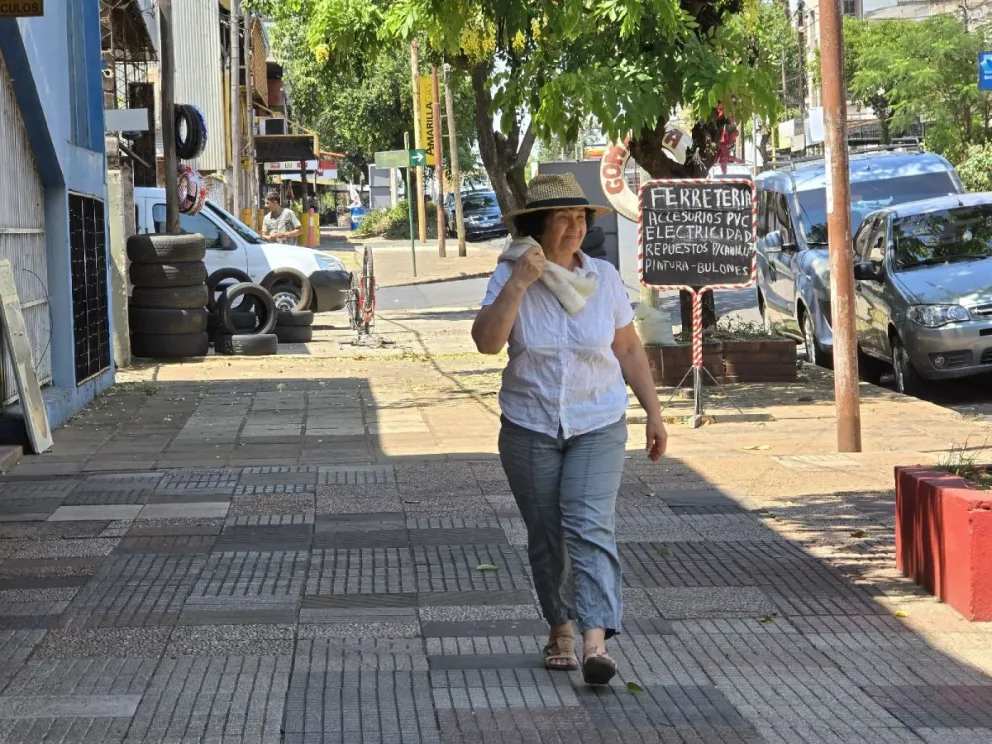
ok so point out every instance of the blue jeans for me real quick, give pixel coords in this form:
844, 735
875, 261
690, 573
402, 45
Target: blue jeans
566, 490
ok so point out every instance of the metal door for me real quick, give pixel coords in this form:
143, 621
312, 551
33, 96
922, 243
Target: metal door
22, 236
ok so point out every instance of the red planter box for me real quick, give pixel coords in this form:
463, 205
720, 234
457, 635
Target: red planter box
773, 360
944, 539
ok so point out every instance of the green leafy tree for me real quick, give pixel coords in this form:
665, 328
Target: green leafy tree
362, 104
869, 83
976, 170
630, 63
908, 71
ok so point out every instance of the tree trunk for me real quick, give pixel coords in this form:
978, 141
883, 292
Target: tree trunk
646, 149
503, 155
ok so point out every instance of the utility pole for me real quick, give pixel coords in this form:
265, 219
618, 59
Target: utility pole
251, 198
168, 82
236, 107
415, 77
839, 229
456, 176
438, 164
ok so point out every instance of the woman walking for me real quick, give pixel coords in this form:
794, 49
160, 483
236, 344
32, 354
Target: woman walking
563, 398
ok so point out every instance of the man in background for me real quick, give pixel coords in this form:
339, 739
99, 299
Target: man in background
281, 224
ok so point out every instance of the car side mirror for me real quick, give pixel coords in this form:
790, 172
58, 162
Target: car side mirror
869, 271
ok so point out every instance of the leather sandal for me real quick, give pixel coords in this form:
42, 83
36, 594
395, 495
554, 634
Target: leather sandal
559, 654
598, 668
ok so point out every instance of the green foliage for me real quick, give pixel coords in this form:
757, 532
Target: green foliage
908, 71
394, 223
358, 104
976, 170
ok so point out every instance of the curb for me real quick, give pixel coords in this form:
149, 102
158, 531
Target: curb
443, 280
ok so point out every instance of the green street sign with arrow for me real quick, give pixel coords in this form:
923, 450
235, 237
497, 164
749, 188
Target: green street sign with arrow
401, 159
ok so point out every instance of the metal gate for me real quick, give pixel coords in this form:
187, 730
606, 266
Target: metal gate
22, 235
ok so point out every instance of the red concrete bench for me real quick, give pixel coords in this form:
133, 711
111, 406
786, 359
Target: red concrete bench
944, 539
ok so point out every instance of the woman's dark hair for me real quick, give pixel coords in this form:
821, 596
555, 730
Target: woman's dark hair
531, 224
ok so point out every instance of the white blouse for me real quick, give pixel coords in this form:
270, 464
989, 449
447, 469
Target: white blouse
562, 371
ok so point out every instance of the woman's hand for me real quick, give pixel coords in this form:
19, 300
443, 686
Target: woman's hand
527, 269
656, 439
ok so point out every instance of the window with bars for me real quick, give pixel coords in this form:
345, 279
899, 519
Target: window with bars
90, 312
851, 8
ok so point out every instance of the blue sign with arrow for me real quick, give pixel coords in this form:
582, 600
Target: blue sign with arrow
985, 70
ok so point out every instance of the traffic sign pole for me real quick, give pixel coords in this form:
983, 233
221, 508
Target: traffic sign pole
409, 202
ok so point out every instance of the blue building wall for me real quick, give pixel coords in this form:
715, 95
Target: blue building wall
53, 67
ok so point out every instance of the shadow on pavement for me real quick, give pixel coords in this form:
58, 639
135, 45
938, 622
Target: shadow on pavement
329, 582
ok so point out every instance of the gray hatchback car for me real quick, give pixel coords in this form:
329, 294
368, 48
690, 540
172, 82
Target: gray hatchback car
923, 290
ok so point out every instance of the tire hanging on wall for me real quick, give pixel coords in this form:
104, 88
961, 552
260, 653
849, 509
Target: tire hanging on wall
149, 248
169, 346
167, 321
264, 309
257, 344
190, 119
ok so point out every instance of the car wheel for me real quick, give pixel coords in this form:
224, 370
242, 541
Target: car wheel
870, 370
293, 289
908, 380
766, 320
815, 354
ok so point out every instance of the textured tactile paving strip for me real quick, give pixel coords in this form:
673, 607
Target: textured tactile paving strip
214, 698
276, 575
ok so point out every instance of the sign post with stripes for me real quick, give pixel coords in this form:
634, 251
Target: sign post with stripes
697, 235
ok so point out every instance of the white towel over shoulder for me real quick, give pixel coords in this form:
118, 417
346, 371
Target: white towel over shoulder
570, 289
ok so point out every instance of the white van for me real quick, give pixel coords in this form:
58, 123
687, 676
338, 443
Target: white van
232, 244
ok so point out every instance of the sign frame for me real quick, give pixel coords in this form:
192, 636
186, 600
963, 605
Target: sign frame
984, 78
392, 159
752, 277
427, 120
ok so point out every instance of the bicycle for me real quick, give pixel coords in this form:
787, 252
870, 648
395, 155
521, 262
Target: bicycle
361, 301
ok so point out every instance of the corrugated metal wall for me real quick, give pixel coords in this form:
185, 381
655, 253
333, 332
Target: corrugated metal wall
22, 235
196, 30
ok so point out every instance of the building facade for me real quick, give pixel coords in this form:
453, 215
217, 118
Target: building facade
53, 200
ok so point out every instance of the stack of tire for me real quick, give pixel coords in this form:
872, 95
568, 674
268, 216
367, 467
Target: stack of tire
242, 317
292, 293
167, 309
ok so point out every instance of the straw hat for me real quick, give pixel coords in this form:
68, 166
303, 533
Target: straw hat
555, 191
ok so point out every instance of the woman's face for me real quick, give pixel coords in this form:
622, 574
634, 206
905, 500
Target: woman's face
564, 231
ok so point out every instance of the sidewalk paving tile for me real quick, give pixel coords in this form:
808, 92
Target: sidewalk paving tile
349, 583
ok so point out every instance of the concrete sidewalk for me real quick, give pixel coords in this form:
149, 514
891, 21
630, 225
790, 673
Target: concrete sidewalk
326, 550
394, 259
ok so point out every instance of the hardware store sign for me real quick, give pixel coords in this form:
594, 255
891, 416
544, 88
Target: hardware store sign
13, 9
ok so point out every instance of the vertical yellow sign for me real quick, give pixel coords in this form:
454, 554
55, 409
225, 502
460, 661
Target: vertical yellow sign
427, 119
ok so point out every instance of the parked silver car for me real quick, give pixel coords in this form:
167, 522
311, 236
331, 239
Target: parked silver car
793, 287
923, 290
